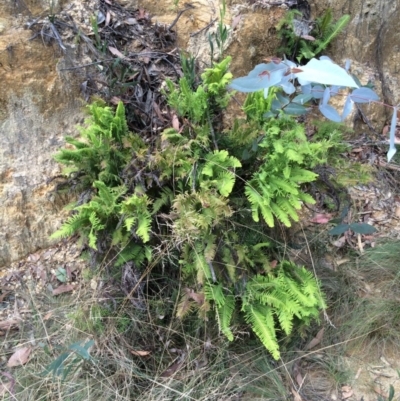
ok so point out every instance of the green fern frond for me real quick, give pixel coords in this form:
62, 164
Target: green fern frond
261, 321
225, 183
165, 199
330, 33
224, 314
131, 252
280, 214
285, 205
135, 212
71, 226
258, 202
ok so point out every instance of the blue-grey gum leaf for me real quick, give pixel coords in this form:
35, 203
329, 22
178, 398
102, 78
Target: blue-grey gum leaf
348, 106
283, 100
330, 113
363, 95
317, 91
392, 147
327, 96
306, 89
302, 99
295, 109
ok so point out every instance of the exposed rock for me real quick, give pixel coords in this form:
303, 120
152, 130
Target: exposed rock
37, 108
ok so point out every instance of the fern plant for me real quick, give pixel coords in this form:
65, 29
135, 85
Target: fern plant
302, 40
101, 151
274, 191
201, 186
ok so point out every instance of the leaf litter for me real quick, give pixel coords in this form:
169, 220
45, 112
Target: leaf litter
121, 57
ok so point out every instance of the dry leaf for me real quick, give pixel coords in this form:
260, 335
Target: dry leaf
321, 218
379, 391
5, 388
34, 257
115, 100
299, 379
347, 392
171, 369
19, 357
385, 130
236, 21
342, 261
130, 21
175, 122
63, 288
108, 18
316, 340
3, 295
198, 298
340, 242
8, 324
140, 353
47, 316
117, 53
296, 395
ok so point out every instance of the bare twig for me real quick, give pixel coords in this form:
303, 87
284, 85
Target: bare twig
203, 29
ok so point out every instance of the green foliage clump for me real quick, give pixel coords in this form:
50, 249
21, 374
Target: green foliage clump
305, 45
347, 172
285, 159
189, 192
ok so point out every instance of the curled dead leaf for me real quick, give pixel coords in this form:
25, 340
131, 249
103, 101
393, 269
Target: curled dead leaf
316, 340
321, 218
19, 357
197, 297
63, 288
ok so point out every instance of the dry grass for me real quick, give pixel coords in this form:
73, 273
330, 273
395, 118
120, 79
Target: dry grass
145, 354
